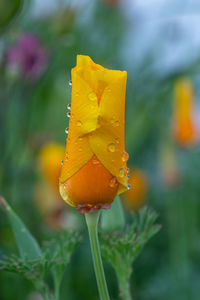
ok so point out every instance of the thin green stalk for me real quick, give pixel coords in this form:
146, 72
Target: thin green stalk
42, 289
92, 224
124, 288
57, 281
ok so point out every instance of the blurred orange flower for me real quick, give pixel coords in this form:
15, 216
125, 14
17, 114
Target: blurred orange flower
94, 168
47, 197
185, 128
135, 197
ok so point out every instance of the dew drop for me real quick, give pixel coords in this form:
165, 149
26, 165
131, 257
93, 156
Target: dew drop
121, 172
117, 140
68, 114
70, 83
69, 106
92, 96
111, 147
95, 161
112, 120
79, 123
116, 123
66, 130
129, 186
62, 162
125, 156
113, 182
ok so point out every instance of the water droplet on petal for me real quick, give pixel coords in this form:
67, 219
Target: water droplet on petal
113, 182
111, 147
121, 172
62, 162
116, 123
95, 161
92, 96
68, 114
80, 138
112, 120
125, 156
66, 130
79, 123
117, 140
69, 106
70, 83
129, 186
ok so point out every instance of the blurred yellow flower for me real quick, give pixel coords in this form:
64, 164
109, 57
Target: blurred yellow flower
185, 128
94, 168
135, 197
50, 158
47, 197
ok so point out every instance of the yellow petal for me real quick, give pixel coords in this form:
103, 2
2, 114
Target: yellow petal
107, 142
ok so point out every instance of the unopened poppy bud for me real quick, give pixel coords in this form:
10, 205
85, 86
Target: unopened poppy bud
94, 169
184, 127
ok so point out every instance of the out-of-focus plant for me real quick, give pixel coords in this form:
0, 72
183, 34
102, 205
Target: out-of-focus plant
184, 122
121, 248
27, 56
34, 263
168, 164
135, 197
47, 197
8, 11
111, 2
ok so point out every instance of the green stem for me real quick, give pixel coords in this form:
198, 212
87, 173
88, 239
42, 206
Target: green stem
57, 281
42, 289
124, 288
92, 223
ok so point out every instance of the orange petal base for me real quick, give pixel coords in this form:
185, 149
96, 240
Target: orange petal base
92, 184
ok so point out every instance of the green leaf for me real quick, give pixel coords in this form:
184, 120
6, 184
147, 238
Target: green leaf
113, 218
26, 243
120, 249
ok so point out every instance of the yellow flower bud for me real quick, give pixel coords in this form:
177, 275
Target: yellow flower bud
94, 168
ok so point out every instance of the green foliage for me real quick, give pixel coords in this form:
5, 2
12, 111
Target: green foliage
120, 249
26, 243
56, 253
31, 269
58, 250
8, 10
34, 264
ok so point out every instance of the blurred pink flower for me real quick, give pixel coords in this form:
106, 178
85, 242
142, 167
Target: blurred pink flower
29, 56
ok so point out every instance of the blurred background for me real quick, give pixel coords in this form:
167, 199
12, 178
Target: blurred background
158, 43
